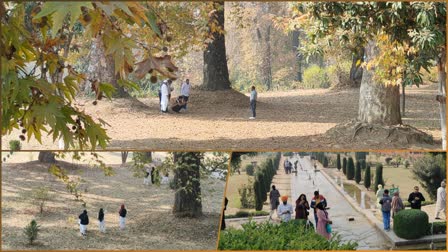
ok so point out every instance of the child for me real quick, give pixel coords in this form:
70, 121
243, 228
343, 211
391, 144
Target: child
122, 213
253, 102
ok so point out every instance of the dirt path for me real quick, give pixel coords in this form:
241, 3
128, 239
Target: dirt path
218, 120
150, 223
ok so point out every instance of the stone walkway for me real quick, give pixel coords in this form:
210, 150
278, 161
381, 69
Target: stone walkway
360, 230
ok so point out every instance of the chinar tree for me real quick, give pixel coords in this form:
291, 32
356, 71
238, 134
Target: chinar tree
401, 39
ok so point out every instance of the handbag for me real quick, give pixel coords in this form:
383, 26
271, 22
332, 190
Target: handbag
328, 227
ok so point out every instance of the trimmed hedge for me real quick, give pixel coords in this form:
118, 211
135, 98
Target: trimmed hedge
243, 214
293, 235
439, 228
350, 169
411, 224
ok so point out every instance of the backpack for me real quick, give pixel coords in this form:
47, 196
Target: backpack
386, 203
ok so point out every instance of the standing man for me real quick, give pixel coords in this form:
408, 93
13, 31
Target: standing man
253, 102
285, 210
164, 97
386, 205
441, 200
416, 198
83, 222
170, 89
274, 196
185, 92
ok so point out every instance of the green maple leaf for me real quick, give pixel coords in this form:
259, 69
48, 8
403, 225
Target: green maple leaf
60, 10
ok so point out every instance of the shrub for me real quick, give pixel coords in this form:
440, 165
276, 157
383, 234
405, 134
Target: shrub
39, 196
250, 169
338, 162
344, 166
325, 163
439, 228
411, 224
430, 170
367, 177
247, 196
350, 169
15, 145
288, 154
358, 172
378, 176
315, 77
31, 231
244, 214
363, 164
293, 235
406, 164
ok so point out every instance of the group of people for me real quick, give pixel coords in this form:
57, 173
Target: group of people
165, 96
287, 165
84, 220
301, 210
152, 177
392, 205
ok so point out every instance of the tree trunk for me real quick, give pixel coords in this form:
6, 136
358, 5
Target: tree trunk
102, 68
378, 103
403, 99
356, 69
124, 156
442, 95
216, 72
295, 48
46, 157
187, 201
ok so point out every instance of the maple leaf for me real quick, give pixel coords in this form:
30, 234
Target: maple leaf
163, 65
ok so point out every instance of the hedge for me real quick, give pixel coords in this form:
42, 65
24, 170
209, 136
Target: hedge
411, 224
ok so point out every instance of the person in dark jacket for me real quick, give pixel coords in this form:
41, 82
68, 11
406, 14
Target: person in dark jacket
386, 206
223, 223
153, 175
101, 222
416, 198
122, 213
83, 222
302, 207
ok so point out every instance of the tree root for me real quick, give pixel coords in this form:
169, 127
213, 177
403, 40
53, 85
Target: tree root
401, 136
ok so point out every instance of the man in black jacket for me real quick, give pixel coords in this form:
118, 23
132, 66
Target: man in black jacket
416, 198
83, 222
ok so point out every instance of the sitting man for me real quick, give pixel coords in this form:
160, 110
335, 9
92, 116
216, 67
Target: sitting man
179, 104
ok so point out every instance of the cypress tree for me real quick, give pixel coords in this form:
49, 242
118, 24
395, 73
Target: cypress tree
350, 169
344, 166
338, 162
325, 163
358, 172
367, 177
378, 176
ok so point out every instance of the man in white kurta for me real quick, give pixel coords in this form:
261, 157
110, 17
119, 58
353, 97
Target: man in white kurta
164, 97
441, 200
285, 210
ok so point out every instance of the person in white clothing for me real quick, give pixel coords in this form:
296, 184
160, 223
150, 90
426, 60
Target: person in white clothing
101, 223
122, 214
441, 200
164, 97
285, 210
147, 177
185, 92
165, 179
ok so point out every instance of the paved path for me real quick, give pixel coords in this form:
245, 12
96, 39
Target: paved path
361, 230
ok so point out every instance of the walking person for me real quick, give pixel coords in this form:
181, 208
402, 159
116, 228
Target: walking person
379, 195
324, 221
302, 207
153, 169
101, 223
416, 198
397, 204
185, 92
386, 206
318, 198
274, 196
122, 214
441, 200
83, 222
253, 102
285, 210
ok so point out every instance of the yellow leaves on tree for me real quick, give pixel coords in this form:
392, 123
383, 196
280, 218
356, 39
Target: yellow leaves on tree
163, 65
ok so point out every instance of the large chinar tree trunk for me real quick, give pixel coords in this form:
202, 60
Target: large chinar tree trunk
356, 69
378, 103
441, 98
187, 201
299, 60
102, 68
216, 72
46, 157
